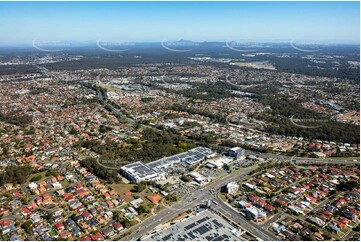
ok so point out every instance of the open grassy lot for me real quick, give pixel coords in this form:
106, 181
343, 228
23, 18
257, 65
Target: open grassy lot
143, 195
64, 183
109, 89
122, 188
36, 174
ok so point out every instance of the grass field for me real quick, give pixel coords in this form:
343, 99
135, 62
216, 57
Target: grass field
109, 89
223, 197
36, 174
122, 188
64, 183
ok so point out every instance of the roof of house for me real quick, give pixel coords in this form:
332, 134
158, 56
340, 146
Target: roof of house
25, 211
59, 226
117, 225
88, 238
97, 236
154, 198
4, 223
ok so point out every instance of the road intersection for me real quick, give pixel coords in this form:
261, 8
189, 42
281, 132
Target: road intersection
202, 195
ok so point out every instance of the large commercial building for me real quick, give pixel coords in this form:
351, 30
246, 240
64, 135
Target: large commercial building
199, 178
236, 152
139, 171
190, 157
218, 162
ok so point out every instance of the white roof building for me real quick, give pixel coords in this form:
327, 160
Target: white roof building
136, 202
56, 185
256, 213
138, 171
218, 162
33, 185
232, 187
190, 157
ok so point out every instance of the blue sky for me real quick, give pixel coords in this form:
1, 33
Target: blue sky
22, 22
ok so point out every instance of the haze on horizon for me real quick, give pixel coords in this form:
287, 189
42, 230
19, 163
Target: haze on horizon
23, 22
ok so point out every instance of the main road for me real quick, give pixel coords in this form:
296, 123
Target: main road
299, 160
233, 214
198, 197
203, 195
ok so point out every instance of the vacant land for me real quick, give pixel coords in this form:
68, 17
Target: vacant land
123, 188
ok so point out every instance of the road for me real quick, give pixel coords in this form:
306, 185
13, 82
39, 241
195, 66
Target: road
349, 235
202, 195
198, 197
232, 213
273, 219
344, 160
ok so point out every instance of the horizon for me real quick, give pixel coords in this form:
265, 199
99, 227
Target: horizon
144, 22
92, 43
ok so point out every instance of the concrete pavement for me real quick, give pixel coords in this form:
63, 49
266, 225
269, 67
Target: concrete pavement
198, 197
203, 195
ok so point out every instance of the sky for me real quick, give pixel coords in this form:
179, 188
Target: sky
24, 22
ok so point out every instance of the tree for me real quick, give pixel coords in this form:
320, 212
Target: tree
349, 185
327, 236
357, 228
104, 129
143, 209
117, 215
127, 224
24, 200
226, 167
51, 172
73, 131
249, 216
146, 99
186, 178
5, 151
141, 186
28, 226
16, 117
36, 178
171, 198
93, 166
17, 174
